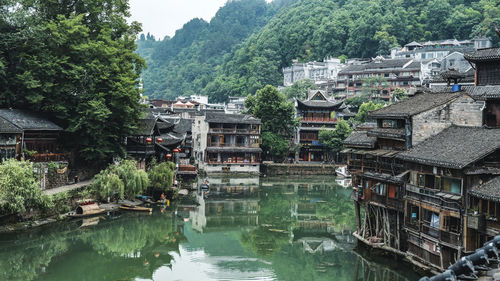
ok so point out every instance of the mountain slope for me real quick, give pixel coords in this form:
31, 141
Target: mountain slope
222, 62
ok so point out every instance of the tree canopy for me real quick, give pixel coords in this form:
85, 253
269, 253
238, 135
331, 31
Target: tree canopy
278, 120
75, 62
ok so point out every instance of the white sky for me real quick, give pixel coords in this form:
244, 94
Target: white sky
164, 17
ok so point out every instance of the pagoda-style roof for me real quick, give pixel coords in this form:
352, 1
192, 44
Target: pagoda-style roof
489, 190
483, 55
7, 127
323, 104
455, 147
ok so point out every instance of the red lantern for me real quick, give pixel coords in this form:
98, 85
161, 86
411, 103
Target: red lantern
176, 150
149, 140
168, 156
159, 140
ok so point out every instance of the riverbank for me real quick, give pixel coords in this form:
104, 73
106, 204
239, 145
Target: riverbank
299, 169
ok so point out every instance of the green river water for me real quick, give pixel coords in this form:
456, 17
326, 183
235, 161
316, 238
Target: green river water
245, 229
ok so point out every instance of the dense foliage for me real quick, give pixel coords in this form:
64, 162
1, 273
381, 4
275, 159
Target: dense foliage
307, 30
161, 176
19, 188
122, 180
185, 63
74, 61
332, 139
364, 109
278, 120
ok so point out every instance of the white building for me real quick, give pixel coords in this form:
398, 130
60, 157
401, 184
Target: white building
227, 143
319, 72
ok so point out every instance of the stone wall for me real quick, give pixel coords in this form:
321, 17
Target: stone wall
52, 174
463, 111
230, 168
297, 169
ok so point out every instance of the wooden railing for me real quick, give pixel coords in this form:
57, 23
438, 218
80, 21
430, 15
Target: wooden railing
50, 157
318, 119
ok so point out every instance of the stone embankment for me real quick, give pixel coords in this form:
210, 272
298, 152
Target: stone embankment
275, 169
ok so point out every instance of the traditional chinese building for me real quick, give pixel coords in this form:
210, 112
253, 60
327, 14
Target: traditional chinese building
317, 112
227, 143
24, 131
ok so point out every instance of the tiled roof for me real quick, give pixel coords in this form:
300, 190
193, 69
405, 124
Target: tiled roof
387, 133
26, 120
476, 92
455, 147
414, 105
145, 127
489, 190
7, 127
374, 65
360, 139
483, 55
320, 103
213, 117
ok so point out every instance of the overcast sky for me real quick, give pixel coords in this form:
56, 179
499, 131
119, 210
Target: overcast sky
164, 17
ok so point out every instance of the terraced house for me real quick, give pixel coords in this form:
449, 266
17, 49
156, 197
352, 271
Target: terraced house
425, 175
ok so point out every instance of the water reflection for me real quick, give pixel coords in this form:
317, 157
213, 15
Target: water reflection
244, 229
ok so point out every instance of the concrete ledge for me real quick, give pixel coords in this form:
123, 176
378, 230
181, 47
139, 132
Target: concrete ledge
274, 169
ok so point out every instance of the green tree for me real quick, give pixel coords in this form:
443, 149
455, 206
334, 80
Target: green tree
299, 89
364, 109
19, 188
399, 94
332, 139
122, 180
278, 120
80, 69
161, 175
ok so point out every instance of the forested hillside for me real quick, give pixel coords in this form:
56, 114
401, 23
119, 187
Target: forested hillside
185, 63
227, 57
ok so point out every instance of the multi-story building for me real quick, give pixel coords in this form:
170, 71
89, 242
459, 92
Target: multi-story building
443, 166
236, 105
439, 49
227, 143
390, 74
317, 112
319, 72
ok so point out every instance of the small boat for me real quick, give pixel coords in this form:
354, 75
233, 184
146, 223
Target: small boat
129, 207
342, 171
86, 210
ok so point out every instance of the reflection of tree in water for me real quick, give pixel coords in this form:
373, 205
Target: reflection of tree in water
275, 223
339, 209
125, 248
24, 255
294, 264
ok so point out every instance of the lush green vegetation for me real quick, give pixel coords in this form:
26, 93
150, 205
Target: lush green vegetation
299, 89
76, 63
19, 188
224, 59
278, 121
364, 109
161, 176
187, 62
332, 139
119, 181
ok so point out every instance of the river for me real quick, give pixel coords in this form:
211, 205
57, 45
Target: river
295, 228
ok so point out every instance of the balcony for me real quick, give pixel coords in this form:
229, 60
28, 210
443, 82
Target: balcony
435, 197
50, 157
230, 144
319, 119
477, 222
444, 236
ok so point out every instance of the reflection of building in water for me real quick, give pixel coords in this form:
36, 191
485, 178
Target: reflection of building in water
345, 182
226, 207
315, 245
305, 209
231, 181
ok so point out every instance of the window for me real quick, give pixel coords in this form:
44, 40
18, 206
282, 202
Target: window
389, 124
421, 180
380, 189
392, 192
452, 185
423, 56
